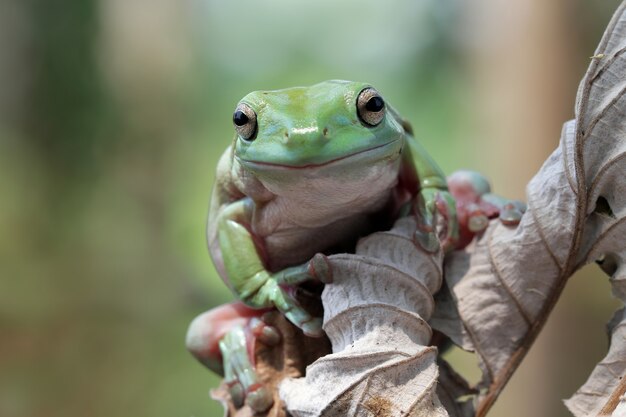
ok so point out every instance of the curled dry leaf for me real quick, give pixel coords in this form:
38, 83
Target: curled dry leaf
601, 142
604, 389
506, 283
375, 314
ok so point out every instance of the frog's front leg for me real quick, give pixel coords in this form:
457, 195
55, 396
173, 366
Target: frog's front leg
433, 205
224, 340
252, 283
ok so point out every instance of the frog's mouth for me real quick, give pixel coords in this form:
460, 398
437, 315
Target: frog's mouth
364, 154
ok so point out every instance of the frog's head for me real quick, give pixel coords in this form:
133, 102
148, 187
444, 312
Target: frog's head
333, 123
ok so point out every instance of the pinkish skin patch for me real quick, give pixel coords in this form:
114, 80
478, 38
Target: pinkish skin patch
469, 203
215, 323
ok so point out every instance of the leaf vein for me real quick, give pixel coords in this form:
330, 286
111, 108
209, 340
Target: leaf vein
586, 134
498, 275
543, 236
568, 174
602, 236
605, 168
609, 62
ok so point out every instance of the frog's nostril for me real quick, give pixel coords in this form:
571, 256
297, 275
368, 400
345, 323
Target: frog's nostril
325, 132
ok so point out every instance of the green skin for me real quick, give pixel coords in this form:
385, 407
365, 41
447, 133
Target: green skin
314, 176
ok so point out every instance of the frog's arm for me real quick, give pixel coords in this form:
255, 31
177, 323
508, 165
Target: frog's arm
238, 254
225, 193
428, 172
420, 172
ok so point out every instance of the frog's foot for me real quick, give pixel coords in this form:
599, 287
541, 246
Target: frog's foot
283, 297
237, 349
224, 340
511, 211
281, 290
206, 331
476, 205
437, 220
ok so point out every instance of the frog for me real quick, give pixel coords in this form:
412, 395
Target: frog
310, 171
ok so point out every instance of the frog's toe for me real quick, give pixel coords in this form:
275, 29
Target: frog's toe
269, 336
427, 240
510, 215
259, 398
264, 333
477, 219
477, 223
320, 268
287, 304
236, 391
310, 326
512, 212
313, 327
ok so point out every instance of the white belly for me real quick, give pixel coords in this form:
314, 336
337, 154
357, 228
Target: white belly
313, 214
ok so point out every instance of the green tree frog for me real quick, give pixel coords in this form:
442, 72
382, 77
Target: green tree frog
310, 170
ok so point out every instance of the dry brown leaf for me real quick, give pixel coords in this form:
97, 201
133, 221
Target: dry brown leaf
454, 392
506, 282
605, 379
375, 314
601, 146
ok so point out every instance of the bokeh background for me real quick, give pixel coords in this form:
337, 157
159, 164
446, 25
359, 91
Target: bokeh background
113, 114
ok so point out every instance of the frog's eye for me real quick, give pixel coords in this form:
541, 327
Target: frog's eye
244, 119
370, 107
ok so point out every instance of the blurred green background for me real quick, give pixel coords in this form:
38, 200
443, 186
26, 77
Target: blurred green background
113, 114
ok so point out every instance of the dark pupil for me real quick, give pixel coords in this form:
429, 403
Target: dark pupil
240, 118
375, 104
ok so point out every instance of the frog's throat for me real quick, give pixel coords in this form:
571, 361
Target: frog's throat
270, 165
